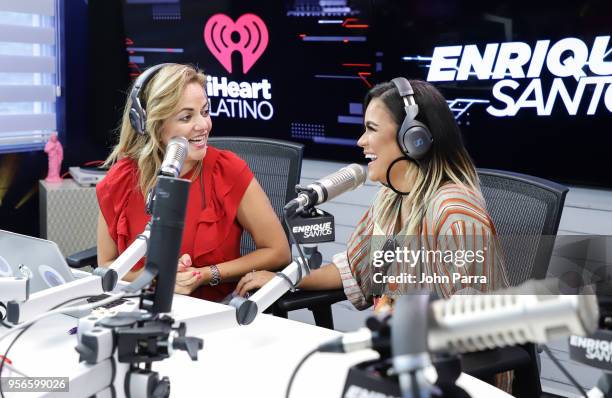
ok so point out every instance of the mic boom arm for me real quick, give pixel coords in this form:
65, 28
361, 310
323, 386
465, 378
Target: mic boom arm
102, 280
248, 309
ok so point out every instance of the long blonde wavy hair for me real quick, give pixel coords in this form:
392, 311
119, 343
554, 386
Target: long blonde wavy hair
447, 161
160, 98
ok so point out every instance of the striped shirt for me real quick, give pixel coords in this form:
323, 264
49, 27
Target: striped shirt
456, 251
455, 223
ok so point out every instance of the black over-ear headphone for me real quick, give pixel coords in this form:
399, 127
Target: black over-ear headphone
413, 137
138, 114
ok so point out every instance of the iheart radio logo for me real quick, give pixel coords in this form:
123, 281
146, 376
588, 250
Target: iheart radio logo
252, 43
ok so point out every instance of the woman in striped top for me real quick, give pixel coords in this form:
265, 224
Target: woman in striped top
427, 226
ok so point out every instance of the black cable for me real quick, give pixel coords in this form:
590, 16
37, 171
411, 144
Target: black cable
297, 368
3, 316
289, 281
298, 246
564, 371
8, 349
3, 311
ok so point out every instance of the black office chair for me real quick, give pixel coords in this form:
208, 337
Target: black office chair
276, 164
526, 212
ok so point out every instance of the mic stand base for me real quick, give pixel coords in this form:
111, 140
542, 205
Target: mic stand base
370, 378
116, 354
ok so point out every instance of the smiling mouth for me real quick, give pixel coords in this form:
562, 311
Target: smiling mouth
371, 157
198, 140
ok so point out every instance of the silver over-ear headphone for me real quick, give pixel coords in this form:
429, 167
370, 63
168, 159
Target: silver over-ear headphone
413, 137
138, 114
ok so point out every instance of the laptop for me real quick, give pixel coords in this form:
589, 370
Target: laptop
40, 259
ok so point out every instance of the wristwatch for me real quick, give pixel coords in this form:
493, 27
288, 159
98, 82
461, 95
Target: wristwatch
216, 276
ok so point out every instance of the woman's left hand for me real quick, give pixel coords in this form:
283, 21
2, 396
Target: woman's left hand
253, 280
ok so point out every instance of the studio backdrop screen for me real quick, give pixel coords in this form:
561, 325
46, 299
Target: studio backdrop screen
529, 84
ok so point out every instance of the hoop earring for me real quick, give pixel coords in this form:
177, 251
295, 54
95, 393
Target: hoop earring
397, 191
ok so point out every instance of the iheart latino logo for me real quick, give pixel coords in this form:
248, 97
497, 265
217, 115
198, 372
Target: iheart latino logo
252, 43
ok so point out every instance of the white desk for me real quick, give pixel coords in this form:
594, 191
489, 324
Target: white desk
254, 360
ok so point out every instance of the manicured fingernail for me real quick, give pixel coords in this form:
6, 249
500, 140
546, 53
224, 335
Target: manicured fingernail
194, 273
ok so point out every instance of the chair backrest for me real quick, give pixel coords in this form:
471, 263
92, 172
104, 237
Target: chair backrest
276, 164
526, 212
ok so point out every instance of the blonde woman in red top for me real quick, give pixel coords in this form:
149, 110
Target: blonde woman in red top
224, 197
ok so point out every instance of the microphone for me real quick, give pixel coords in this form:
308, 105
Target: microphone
346, 179
176, 152
479, 322
166, 232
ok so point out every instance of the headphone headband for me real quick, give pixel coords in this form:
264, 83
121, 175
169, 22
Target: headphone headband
138, 114
403, 86
407, 93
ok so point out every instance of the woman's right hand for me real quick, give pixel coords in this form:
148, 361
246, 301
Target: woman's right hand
253, 280
188, 278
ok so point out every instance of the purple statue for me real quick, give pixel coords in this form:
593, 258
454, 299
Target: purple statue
55, 152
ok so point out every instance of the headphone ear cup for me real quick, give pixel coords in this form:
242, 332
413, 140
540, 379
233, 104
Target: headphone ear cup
138, 115
136, 120
414, 139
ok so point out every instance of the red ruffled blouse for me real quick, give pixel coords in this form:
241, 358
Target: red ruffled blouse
212, 232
